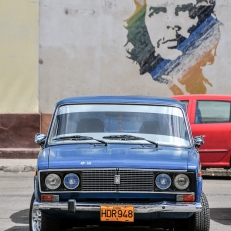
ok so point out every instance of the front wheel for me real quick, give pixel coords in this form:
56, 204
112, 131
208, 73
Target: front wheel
200, 221
40, 222
34, 217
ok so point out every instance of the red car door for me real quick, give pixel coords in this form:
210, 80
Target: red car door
211, 119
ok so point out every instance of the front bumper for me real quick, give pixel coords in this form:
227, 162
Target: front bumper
138, 208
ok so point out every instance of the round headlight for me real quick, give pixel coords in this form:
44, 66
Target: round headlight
181, 181
163, 181
71, 181
53, 181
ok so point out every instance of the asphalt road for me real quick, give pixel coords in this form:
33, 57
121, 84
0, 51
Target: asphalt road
16, 190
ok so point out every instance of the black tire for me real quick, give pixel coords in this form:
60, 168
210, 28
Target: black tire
199, 221
34, 217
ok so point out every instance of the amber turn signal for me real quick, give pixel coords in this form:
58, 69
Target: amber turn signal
185, 198
49, 198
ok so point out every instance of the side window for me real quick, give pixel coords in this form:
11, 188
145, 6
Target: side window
185, 102
208, 111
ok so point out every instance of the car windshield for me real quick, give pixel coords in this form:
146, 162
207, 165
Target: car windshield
164, 125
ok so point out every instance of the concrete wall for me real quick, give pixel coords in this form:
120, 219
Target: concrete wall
19, 115
83, 52
52, 49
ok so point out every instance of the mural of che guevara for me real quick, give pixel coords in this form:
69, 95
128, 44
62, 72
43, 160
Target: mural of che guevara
173, 40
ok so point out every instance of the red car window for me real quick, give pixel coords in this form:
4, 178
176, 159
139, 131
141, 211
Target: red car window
211, 111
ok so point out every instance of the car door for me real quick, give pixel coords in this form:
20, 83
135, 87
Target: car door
211, 118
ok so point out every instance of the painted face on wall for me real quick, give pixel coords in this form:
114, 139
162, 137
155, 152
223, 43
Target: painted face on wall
173, 40
167, 22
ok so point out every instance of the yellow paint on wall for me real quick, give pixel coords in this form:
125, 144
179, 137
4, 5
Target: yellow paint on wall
19, 56
194, 80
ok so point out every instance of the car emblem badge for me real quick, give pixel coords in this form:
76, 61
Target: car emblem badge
117, 179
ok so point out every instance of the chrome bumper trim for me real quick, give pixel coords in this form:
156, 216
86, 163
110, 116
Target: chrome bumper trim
139, 208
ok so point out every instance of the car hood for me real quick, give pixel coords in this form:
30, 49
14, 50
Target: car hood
113, 156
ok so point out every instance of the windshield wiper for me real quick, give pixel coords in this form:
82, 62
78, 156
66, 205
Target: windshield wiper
128, 137
77, 137
74, 137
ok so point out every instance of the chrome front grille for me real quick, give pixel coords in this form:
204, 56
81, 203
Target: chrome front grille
130, 180
98, 180
133, 180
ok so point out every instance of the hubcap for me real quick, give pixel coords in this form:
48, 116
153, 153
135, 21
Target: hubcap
36, 219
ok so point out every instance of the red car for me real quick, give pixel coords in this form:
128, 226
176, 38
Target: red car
209, 116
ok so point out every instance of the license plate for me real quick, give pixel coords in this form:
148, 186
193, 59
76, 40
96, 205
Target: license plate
117, 213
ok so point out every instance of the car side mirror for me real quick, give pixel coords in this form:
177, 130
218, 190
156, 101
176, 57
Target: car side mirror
40, 139
198, 141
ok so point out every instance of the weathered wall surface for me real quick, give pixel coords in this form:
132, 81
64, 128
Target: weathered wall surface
19, 56
19, 117
83, 52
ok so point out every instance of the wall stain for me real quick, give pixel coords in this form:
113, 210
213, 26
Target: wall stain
110, 3
79, 11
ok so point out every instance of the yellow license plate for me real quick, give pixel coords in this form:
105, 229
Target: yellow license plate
117, 213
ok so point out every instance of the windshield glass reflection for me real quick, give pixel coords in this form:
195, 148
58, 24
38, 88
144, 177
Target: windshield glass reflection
161, 124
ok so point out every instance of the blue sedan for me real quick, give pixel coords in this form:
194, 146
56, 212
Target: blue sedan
127, 160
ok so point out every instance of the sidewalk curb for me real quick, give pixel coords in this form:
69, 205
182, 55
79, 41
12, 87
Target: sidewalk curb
216, 172
17, 168
18, 165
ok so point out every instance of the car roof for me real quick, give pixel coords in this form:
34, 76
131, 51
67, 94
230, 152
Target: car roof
145, 100
202, 96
